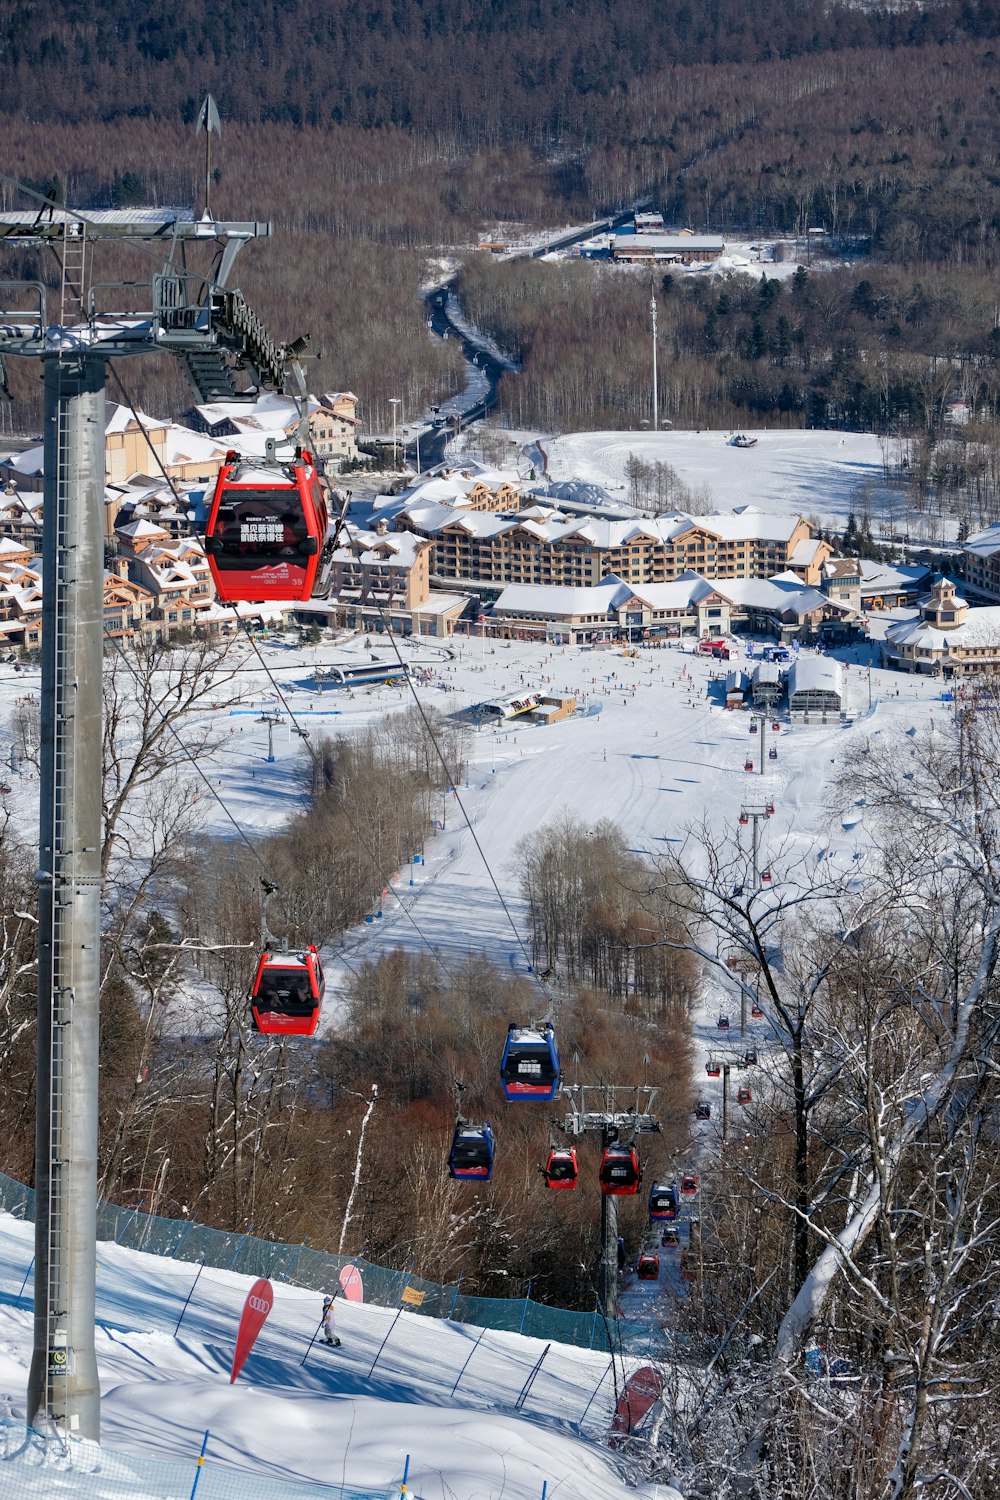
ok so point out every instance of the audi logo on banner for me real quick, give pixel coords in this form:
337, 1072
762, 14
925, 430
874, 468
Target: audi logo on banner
258, 1304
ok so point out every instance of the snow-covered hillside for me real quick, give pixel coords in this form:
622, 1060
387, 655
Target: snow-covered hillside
312, 1413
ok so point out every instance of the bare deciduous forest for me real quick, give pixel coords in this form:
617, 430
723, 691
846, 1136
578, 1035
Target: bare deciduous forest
855, 1209
881, 127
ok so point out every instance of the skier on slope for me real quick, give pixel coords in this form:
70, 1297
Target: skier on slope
329, 1332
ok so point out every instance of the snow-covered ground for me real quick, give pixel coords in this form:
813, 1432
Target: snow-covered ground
817, 474
318, 1415
653, 749
661, 756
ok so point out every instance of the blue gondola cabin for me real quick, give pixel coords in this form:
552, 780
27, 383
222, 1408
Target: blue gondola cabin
664, 1201
471, 1156
529, 1068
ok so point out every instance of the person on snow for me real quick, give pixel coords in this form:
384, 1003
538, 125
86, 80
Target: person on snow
329, 1332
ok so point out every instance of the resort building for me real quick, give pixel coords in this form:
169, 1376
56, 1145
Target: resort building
945, 636
484, 552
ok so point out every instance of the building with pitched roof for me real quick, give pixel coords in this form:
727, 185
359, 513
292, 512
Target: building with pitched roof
945, 636
981, 562
484, 552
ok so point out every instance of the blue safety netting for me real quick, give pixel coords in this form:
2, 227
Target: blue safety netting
319, 1270
34, 1468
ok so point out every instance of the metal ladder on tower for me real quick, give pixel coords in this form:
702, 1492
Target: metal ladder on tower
72, 311
72, 291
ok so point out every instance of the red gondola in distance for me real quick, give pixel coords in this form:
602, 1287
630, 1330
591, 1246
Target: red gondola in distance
267, 528
620, 1172
287, 993
561, 1170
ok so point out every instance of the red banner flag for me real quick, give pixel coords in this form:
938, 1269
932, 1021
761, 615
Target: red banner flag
351, 1284
260, 1300
642, 1390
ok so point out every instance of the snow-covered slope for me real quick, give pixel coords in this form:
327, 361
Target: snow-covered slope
318, 1414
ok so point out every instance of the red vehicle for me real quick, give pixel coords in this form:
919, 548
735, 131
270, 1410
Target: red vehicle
689, 1184
287, 993
561, 1169
620, 1172
713, 1068
267, 530
744, 1094
648, 1268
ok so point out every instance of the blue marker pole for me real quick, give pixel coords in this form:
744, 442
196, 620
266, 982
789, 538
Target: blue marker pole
187, 1299
200, 1466
406, 1471
27, 1273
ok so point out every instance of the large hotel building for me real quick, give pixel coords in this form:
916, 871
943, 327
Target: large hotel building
482, 551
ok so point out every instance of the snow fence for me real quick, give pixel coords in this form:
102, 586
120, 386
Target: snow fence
319, 1271
32, 1468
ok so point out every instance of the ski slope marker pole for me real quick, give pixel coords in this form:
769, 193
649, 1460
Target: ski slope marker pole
200, 1464
27, 1273
406, 1470
383, 1344
187, 1299
312, 1341
466, 1365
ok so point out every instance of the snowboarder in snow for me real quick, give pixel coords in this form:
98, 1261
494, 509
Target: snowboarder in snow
329, 1332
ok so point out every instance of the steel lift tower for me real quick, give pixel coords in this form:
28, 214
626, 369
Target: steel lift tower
617, 1111
194, 315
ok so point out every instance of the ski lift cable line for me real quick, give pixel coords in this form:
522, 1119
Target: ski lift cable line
303, 734
452, 781
241, 832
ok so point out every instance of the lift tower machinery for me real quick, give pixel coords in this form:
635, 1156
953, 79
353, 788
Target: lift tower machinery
618, 1112
194, 314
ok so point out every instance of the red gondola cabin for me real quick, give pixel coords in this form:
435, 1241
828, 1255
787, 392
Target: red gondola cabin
267, 529
620, 1172
561, 1168
648, 1267
287, 993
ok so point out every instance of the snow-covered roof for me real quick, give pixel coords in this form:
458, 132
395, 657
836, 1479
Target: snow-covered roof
680, 593
184, 446
750, 522
815, 674
778, 594
550, 600
122, 417
29, 462
891, 578
804, 552
140, 528
678, 242
984, 543
440, 603
392, 549
981, 629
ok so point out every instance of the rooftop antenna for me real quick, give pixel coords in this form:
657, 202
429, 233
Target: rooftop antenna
208, 120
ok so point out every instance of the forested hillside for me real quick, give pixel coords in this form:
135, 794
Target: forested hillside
375, 139
480, 74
